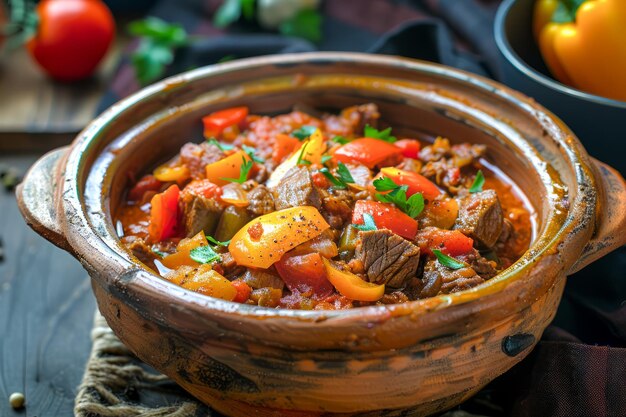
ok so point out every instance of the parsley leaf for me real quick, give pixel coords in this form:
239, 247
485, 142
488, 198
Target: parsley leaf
344, 173
448, 261
301, 160
370, 132
214, 241
337, 183
344, 177
222, 146
304, 132
412, 206
204, 255
243, 172
477, 185
231, 10
326, 158
305, 24
251, 153
368, 223
340, 140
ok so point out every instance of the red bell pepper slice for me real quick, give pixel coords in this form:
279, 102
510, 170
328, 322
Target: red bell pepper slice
164, 214
216, 122
370, 152
145, 184
417, 183
305, 273
410, 147
386, 216
449, 242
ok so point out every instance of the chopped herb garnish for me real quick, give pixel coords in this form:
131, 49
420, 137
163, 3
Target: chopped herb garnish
159, 253
368, 223
204, 255
370, 132
479, 181
301, 160
343, 176
326, 158
340, 140
243, 172
304, 132
251, 153
222, 146
412, 206
214, 241
448, 261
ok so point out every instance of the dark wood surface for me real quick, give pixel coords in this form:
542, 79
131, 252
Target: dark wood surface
46, 313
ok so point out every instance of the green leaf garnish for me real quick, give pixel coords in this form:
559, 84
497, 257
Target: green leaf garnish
370, 132
479, 181
344, 173
342, 180
448, 261
340, 140
243, 172
337, 183
368, 223
251, 153
305, 24
214, 241
158, 39
326, 158
204, 255
412, 206
303, 132
159, 253
222, 146
301, 160
231, 10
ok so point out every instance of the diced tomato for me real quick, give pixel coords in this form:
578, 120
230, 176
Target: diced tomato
449, 242
284, 145
386, 216
164, 214
216, 122
410, 147
370, 152
204, 188
243, 291
145, 184
320, 180
417, 183
304, 274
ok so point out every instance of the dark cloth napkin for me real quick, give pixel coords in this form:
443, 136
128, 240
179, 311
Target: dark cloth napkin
579, 366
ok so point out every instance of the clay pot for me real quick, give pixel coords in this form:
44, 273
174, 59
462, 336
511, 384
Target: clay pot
410, 359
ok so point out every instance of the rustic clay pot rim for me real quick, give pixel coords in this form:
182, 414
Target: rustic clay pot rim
552, 234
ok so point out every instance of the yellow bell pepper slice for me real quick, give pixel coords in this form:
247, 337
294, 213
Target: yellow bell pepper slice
167, 173
265, 239
310, 151
352, 286
182, 256
204, 280
228, 167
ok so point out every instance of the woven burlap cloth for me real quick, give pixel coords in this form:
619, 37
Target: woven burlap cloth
117, 384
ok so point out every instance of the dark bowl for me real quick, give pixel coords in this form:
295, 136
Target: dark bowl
597, 121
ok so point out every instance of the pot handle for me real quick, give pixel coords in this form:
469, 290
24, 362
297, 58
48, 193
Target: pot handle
36, 197
610, 229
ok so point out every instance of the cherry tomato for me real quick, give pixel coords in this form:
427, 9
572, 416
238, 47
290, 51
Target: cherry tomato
72, 38
304, 273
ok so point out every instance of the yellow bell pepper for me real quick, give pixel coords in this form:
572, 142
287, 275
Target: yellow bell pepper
204, 280
351, 285
167, 173
265, 239
588, 52
182, 256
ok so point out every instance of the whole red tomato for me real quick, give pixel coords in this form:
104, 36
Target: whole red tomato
72, 38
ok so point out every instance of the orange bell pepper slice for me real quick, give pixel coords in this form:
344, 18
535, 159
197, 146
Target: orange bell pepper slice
209, 282
284, 145
352, 286
310, 151
386, 216
417, 183
182, 256
264, 240
228, 167
370, 152
215, 123
164, 214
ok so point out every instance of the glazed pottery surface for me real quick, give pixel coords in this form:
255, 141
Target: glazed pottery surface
415, 358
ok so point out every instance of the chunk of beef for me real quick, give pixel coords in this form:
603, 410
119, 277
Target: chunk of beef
483, 266
480, 217
229, 267
197, 156
437, 150
140, 250
352, 120
465, 154
261, 200
439, 279
387, 258
337, 204
199, 213
296, 189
